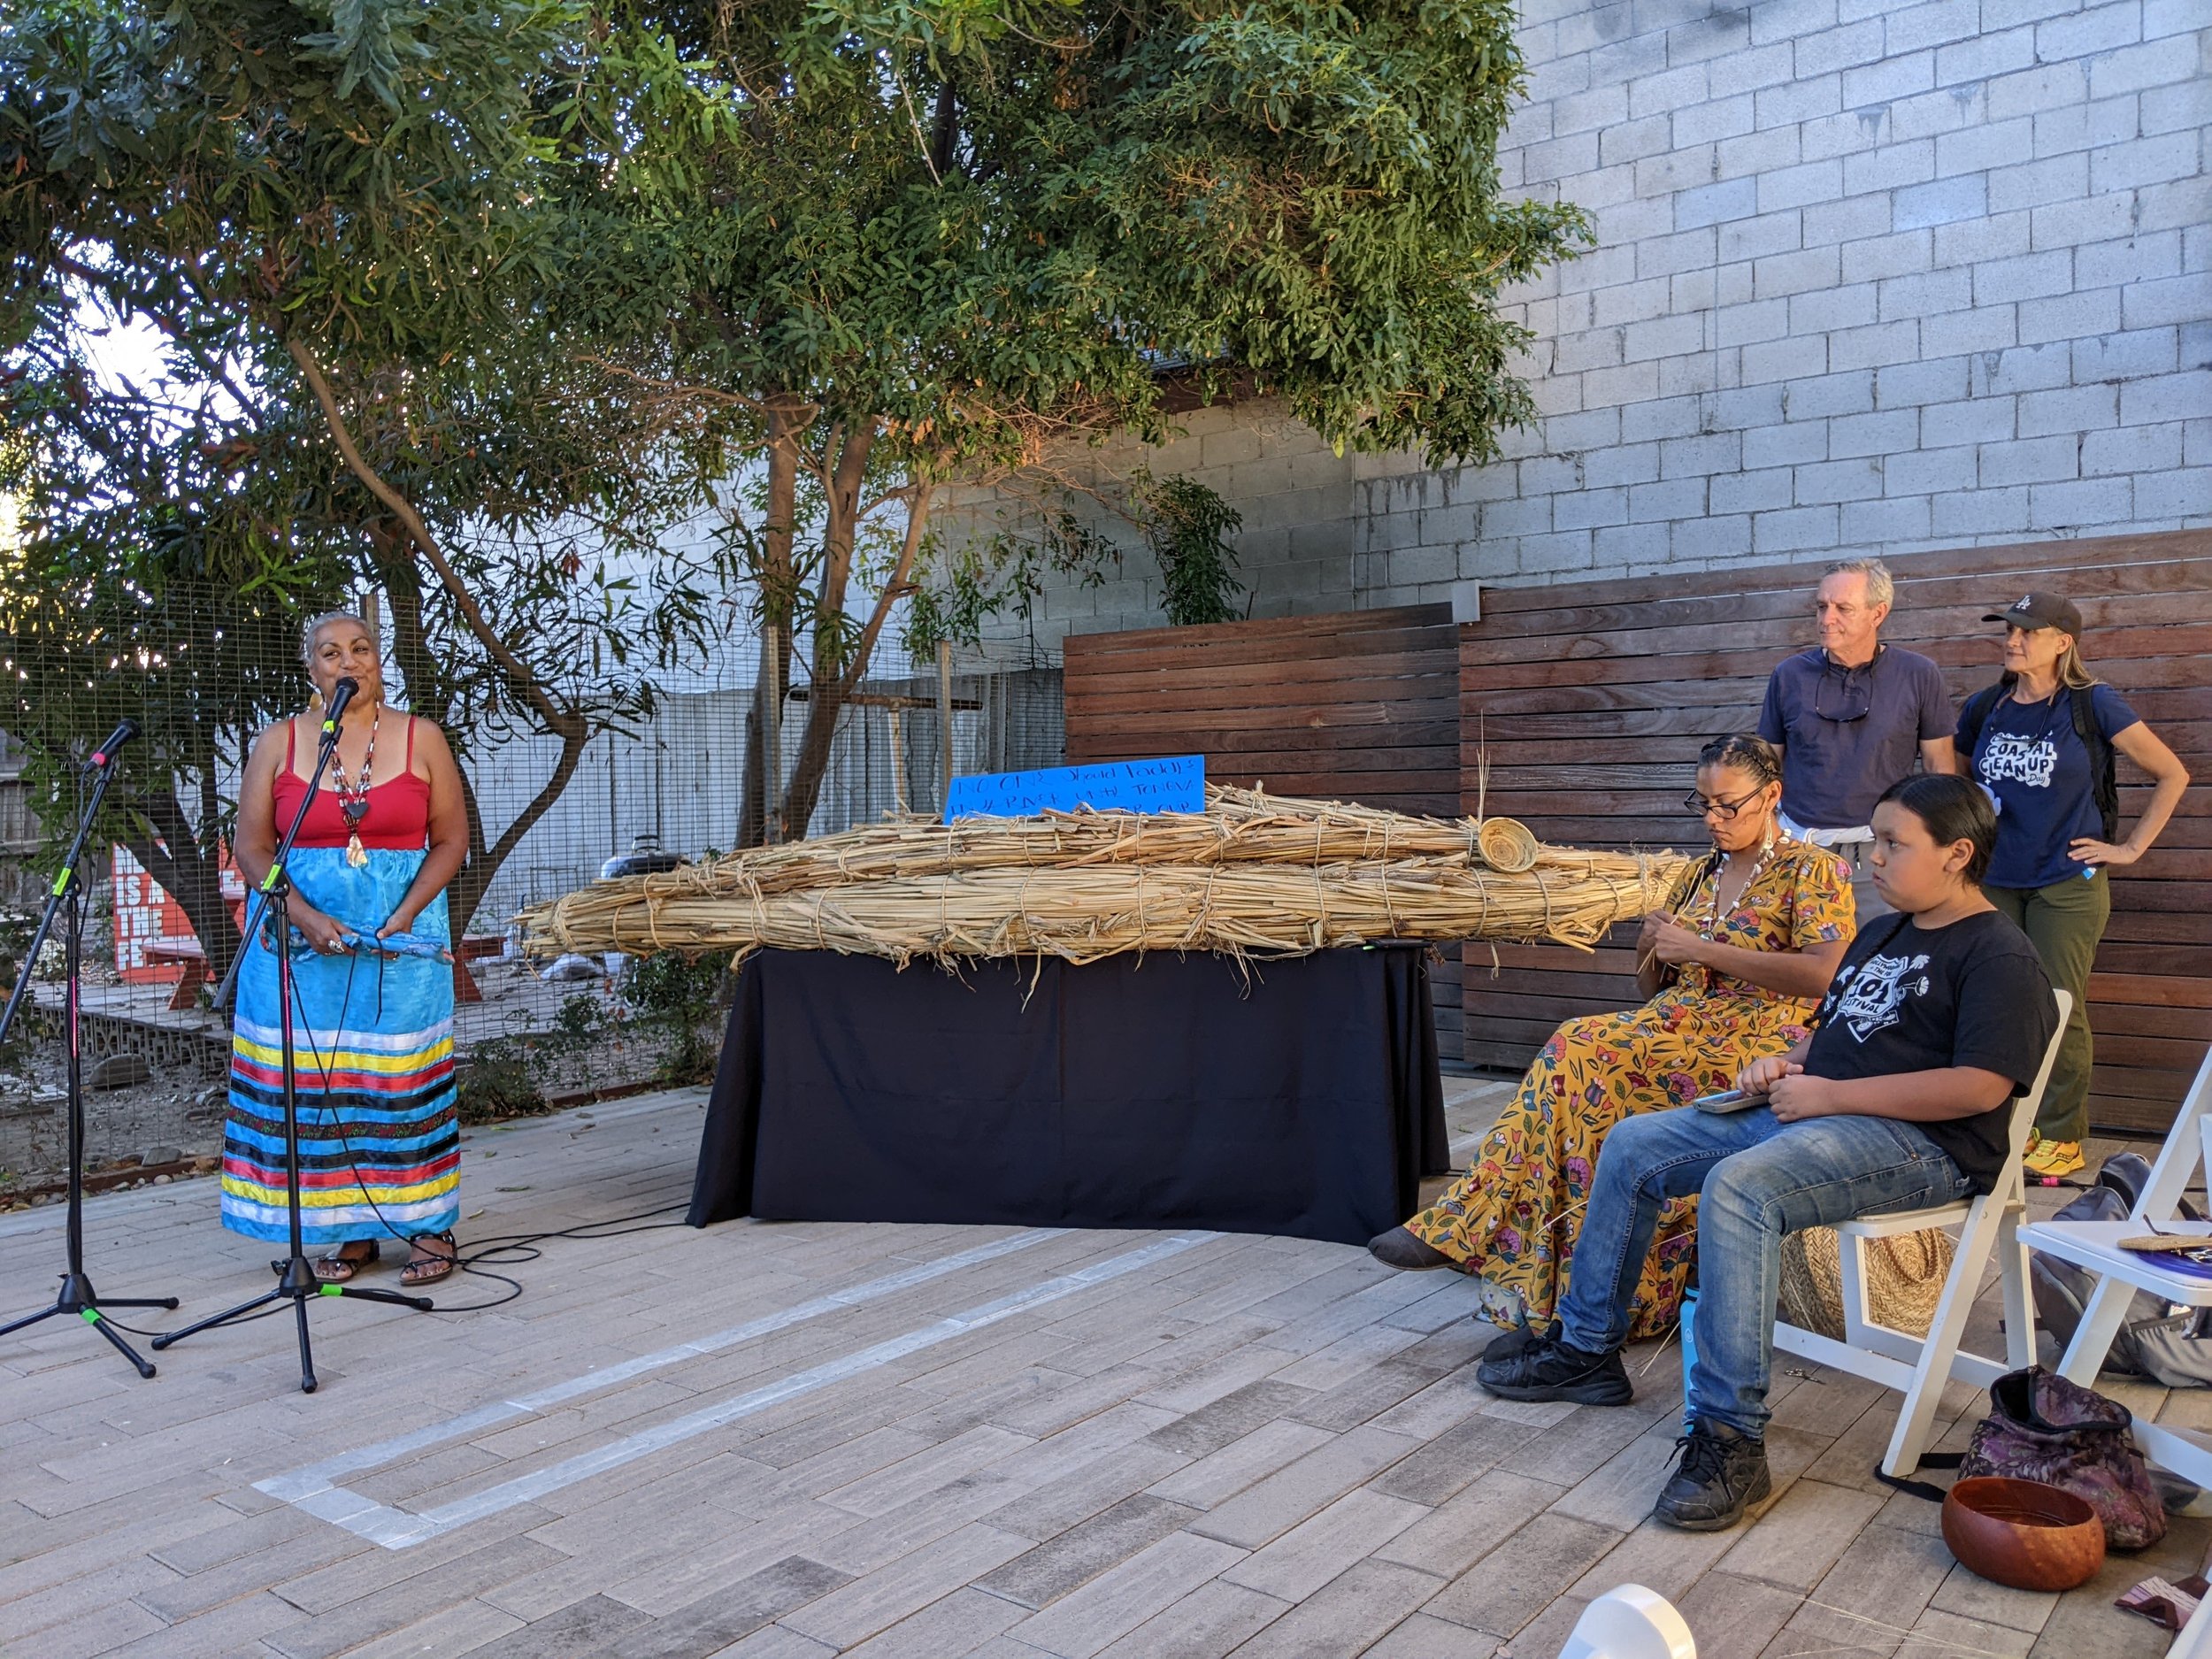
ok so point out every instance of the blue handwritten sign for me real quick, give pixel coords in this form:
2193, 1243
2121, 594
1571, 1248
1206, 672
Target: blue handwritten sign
1177, 784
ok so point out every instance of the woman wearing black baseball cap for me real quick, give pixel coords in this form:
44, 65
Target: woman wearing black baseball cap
2041, 741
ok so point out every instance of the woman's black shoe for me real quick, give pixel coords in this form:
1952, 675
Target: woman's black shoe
1723, 1473
1547, 1369
1401, 1249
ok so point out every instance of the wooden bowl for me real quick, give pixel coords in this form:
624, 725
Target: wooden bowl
2023, 1533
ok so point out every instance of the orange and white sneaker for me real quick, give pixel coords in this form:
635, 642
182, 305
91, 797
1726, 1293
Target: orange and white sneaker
2049, 1162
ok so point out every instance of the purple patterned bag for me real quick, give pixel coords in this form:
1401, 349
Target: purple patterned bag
2042, 1427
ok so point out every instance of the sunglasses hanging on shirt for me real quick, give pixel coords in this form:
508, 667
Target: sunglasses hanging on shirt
1849, 696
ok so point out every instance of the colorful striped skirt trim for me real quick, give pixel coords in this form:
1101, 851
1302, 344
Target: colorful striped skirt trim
379, 1150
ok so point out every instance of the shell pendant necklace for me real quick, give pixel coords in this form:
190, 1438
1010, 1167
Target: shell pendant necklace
1711, 929
353, 795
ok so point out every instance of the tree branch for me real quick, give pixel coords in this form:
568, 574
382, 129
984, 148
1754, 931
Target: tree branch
842, 491
901, 580
559, 719
125, 300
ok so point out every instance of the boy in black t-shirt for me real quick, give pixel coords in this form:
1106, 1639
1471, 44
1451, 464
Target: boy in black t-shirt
1936, 1021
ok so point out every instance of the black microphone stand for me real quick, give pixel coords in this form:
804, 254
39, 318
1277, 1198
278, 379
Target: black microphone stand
67, 899
295, 1276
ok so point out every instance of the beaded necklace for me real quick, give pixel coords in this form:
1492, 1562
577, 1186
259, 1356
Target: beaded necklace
353, 797
1711, 930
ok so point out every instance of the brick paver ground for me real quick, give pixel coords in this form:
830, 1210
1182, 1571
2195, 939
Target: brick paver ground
906, 1441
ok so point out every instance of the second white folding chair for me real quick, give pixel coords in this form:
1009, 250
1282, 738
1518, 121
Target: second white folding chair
2094, 1246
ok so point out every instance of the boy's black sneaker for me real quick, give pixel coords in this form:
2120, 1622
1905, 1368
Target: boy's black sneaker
1723, 1473
1545, 1368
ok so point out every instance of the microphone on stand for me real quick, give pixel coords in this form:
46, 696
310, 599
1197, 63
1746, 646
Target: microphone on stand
105, 755
344, 692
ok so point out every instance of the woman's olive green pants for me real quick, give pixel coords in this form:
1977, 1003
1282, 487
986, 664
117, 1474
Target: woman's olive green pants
2066, 920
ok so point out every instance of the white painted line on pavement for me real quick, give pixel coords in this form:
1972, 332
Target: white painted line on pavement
397, 1528
298, 1482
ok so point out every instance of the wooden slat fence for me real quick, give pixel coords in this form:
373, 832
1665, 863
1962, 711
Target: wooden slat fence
1591, 702
1360, 705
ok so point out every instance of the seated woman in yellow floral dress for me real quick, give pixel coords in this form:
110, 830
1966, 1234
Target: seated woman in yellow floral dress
1733, 972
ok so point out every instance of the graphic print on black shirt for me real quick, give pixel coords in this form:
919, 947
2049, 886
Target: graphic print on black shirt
1913, 999
1876, 997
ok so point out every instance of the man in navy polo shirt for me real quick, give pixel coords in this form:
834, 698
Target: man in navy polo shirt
1850, 717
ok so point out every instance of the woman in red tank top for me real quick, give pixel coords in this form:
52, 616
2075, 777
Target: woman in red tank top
385, 833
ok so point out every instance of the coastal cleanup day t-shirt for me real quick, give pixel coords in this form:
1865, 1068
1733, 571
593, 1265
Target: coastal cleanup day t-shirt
1913, 999
2035, 767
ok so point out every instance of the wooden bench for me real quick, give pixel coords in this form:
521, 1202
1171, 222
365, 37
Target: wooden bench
187, 952
472, 947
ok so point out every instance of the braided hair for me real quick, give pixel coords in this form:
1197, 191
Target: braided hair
1738, 751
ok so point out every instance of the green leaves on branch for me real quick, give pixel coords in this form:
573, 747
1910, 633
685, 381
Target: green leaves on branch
369, 41
1003, 574
1181, 521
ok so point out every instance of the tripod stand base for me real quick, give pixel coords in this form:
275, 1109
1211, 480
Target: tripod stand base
78, 1298
296, 1284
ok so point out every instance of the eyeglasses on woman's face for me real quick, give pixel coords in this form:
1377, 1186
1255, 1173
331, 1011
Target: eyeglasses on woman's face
1724, 810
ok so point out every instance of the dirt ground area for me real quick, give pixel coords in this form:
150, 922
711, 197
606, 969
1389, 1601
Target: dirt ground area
565, 1042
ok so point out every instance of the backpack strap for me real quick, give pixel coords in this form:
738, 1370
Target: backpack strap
1933, 1493
2104, 781
1974, 715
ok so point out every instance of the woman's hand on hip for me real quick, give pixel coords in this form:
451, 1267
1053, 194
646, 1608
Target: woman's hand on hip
2089, 851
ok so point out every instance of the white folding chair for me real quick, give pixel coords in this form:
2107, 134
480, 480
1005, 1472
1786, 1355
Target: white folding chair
2094, 1246
1915, 1366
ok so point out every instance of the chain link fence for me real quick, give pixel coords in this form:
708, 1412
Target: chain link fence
159, 882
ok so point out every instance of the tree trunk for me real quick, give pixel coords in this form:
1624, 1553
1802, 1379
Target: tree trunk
826, 700
827, 696
775, 579
190, 872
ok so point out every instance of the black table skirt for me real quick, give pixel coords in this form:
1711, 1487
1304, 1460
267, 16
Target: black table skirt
1297, 1097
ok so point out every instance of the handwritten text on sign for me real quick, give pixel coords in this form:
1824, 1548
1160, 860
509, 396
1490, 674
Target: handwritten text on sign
1177, 784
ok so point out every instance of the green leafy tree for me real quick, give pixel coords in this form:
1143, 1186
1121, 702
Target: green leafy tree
888, 245
334, 215
185, 616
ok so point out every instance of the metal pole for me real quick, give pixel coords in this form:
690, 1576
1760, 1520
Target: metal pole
771, 735
944, 721
898, 762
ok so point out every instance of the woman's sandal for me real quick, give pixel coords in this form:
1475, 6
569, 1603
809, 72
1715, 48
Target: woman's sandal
338, 1267
429, 1269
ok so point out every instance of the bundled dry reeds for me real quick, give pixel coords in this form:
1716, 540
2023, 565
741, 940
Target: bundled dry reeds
1253, 875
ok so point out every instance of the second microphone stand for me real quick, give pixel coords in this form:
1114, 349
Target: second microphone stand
67, 899
295, 1275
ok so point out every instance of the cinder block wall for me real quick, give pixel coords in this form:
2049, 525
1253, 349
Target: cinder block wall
1868, 277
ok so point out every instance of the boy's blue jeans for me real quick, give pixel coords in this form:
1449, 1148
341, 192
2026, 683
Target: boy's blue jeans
1757, 1178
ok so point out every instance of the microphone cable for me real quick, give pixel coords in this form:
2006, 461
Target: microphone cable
486, 1254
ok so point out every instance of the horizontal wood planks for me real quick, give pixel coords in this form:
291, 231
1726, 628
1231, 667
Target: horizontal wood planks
1590, 703
1360, 705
